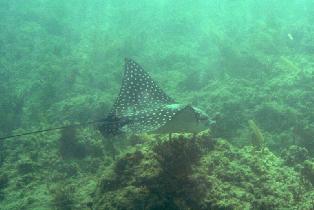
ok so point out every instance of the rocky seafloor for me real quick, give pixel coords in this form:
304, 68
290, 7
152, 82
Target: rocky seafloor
79, 170
239, 62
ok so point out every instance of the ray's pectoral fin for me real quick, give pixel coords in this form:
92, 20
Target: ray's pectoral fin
138, 90
185, 120
139, 100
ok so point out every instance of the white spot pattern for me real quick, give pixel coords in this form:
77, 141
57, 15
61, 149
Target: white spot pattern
141, 100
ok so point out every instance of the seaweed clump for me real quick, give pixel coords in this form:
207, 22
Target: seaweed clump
257, 137
201, 173
127, 163
63, 198
69, 147
304, 135
4, 181
174, 186
158, 177
308, 171
26, 167
176, 156
295, 155
124, 168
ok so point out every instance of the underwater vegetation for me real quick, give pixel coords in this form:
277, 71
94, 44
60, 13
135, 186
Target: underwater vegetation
62, 198
257, 136
4, 180
248, 64
69, 147
204, 173
308, 171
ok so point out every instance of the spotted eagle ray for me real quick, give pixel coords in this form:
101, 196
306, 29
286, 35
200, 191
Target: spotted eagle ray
142, 106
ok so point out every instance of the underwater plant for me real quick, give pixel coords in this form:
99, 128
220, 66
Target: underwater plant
257, 138
63, 198
126, 163
308, 171
295, 155
304, 135
179, 174
291, 66
175, 186
69, 147
4, 181
26, 166
176, 156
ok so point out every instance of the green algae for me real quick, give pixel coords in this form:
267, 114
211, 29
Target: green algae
61, 63
257, 136
219, 177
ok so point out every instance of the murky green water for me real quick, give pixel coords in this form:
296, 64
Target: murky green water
247, 64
